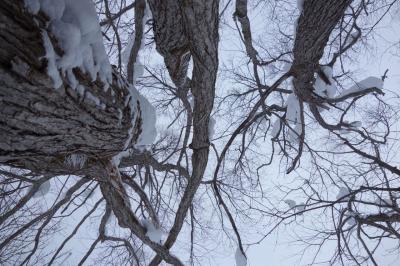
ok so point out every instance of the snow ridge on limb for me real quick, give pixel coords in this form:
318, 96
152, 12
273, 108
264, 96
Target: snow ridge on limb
240, 257
368, 83
315, 25
76, 28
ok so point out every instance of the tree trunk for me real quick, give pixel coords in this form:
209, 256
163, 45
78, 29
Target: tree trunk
171, 39
200, 19
315, 25
41, 126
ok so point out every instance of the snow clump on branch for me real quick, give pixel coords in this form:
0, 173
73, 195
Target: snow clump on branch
76, 27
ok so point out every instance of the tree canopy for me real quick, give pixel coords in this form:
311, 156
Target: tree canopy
142, 132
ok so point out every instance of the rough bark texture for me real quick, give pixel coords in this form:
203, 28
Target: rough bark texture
315, 25
200, 18
40, 125
117, 198
171, 38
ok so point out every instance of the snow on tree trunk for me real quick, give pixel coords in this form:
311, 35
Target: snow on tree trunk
40, 125
316, 22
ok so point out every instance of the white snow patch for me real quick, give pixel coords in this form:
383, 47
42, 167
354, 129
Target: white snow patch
301, 207
240, 258
80, 90
286, 66
148, 116
43, 189
324, 89
33, 6
300, 4
89, 96
293, 109
293, 117
380, 201
52, 69
276, 127
211, 128
53, 8
290, 203
343, 191
351, 222
76, 27
149, 131
191, 101
126, 52
152, 232
295, 25
356, 124
138, 70
370, 82
294, 132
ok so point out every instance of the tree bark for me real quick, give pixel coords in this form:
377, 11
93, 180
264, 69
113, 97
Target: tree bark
40, 125
171, 38
315, 25
200, 19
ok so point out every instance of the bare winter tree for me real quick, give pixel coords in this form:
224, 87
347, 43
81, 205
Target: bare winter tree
77, 147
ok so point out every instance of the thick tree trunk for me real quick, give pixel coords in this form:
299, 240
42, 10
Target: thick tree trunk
315, 25
40, 125
171, 39
200, 20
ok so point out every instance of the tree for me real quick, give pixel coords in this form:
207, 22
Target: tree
72, 121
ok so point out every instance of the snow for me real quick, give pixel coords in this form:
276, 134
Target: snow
343, 191
293, 117
211, 128
53, 8
380, 201
76, 27
152, 232
323, 89
33, 6
276, 127
149, 131
356, 124
138, 70
80, 90
148, 117
294, 132
240, 258
351, 222
51, 56
286, 66
89, 96
125, 54
76, 160
296, 22
43, 189
191, 101
291, 203
370, 82
300, 4
293, 109
301, 207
